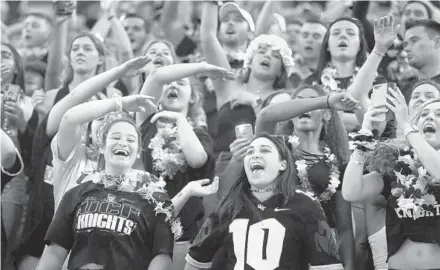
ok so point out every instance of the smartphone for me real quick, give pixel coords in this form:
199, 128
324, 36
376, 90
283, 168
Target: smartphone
61, 7
244, 131
379, 96
11, 92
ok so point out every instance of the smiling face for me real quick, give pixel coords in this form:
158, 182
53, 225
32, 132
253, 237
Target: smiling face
161, 54
121, 147
267, 62
312, 35
263, 164
344, 43
429, 124
233, 29
84, 57
310, 121
421, 94
176, 95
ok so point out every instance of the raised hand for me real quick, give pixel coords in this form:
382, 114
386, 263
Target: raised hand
397, 104
384, 33
371, 117
215, 72
134, 66
343, 102
38, 100
136, 103
239, 148
15, 115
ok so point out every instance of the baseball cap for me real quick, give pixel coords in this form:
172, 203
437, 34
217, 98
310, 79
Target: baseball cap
230, 7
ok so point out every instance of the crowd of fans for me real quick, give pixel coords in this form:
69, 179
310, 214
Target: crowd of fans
220, 135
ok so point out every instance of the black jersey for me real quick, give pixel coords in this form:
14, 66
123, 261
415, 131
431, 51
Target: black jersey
292, 235
116, 229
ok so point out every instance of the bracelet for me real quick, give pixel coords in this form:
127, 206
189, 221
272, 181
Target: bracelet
381, 55
328, 104
355, 160
118, 104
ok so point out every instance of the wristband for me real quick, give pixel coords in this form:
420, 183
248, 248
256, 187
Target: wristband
328, 103
118, 104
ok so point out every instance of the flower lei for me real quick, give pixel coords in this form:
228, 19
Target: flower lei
277, 44
167, 154
412, 188
330, 83
301, 167
145, 185
363, 140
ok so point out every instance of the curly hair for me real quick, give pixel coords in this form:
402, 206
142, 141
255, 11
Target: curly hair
333, 133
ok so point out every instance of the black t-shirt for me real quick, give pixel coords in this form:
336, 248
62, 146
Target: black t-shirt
116, 229
193, 210
228, 119
285, 236
402, 224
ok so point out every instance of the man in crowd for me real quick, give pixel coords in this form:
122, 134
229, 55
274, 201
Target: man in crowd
36, 36
422, 44
138, 32
311, 36
236, 30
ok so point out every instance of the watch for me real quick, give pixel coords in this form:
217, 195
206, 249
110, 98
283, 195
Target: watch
410, 129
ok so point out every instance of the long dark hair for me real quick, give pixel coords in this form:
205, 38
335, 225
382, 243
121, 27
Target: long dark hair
324, 55
19, 67
333, 132
99, 47
239, 196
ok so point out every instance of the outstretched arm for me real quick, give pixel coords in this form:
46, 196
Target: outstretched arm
271, 115
88, 89
157, 78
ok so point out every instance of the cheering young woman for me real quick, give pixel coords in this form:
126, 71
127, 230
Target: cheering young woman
320, 146
119, 218
406, 174
264, 223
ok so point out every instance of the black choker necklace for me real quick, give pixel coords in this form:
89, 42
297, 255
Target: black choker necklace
263, 190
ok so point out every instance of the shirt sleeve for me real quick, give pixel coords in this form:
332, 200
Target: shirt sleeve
60, 230
207, 242
207, 170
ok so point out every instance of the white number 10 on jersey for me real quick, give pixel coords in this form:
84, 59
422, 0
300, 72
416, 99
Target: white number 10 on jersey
264, 243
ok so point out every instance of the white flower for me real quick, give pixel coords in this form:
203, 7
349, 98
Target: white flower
294, 141
429, 199
420, 184
396, 192
301, 165
404, 180
405, 203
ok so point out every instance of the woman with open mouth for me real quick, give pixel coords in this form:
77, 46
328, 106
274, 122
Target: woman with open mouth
177, 146
320, 149
117, 218
405, 172
264, 222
